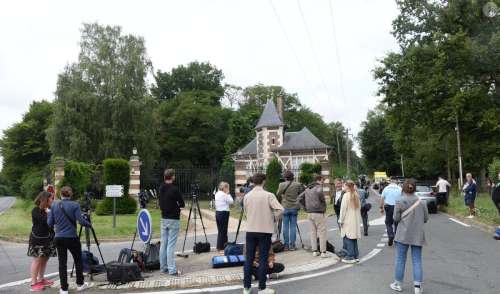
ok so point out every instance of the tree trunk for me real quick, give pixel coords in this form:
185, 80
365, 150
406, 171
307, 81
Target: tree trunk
483, 183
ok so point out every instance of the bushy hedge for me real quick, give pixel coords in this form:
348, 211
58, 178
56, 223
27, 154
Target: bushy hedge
4, 190
308, 171
273, 175
77, 175
117, 172
124, 205
494, 169
31, 184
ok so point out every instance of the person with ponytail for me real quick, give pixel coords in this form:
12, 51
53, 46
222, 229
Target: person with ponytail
350, 222
41, 245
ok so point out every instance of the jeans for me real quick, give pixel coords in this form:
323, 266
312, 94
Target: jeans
389, 221
75, 248
352, 248
263, 240
290, 226
222, 220
416, 255
169, 233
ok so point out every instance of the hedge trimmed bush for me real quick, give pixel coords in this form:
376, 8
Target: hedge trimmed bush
32, 184
124, 205
77, 175
5, 191
308, 171
117, 172
273, 175
494, 168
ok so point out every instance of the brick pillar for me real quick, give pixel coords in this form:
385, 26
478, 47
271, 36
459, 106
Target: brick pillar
135, 175
326, 173
58, 174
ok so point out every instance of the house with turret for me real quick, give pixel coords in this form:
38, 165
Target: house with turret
291, 149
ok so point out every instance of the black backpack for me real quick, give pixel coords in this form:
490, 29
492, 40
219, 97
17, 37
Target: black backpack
122, 273
152, 256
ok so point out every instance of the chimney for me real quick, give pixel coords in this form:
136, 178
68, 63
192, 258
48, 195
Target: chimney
280, 107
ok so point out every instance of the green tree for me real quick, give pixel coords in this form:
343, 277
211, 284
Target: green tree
447, 71
273, 175
377, 146
102, 107
195, 77
24, 146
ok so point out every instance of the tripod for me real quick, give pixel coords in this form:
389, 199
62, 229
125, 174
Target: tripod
196, 205
87, 239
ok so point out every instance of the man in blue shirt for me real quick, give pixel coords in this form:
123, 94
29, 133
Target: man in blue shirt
390, 195
63, 216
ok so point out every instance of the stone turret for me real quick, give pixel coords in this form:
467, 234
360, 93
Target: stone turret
269, 132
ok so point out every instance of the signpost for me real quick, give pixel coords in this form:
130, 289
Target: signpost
144, 226
114, 191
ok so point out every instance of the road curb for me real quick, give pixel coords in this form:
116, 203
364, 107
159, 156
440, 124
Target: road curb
476, 224
214, 280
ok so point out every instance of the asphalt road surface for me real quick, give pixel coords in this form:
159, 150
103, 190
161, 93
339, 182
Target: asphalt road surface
6, 202
457, 259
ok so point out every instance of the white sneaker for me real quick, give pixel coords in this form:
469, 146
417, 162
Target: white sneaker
396, 287
84, 286
315, 253
61, 291
247, 291
356, 259
419, 290
326, 255
267, 291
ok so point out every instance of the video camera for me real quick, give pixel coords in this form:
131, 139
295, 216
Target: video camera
86, 204
195, 189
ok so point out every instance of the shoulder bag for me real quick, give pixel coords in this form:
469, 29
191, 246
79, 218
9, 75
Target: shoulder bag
410, 209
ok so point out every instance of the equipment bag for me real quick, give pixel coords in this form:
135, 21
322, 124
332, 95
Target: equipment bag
121, 273
201, 247
329, 246
278, 246
228, 261
89, 261
152, 256
233, 249
125, 255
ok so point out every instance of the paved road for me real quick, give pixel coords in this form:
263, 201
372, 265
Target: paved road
6, 202
458, 259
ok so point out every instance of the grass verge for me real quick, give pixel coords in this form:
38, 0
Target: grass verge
485, 210
15, 223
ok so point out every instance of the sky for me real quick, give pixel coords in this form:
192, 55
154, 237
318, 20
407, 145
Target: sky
323, 50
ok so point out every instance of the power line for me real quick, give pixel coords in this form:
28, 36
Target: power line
289, 42
315, 56
339, 65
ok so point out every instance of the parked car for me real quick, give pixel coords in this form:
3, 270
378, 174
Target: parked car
426, 193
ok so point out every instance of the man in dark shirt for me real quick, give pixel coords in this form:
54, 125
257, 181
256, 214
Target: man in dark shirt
171, 203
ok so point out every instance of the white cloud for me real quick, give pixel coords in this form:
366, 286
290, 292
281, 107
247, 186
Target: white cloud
242, 38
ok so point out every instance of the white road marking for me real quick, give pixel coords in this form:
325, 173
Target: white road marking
365, 258
459, 222
334, 229
384, 239
378, 221
385, 234
380, 245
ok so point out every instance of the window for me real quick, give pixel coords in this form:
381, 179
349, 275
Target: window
274, 140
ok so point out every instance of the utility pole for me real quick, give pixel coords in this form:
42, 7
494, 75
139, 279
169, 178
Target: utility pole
459, 149
402, 166
338, 149
348, 154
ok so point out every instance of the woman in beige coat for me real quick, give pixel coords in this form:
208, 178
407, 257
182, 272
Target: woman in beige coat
350, 222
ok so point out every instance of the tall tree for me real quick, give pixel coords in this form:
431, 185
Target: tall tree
24, 146
102, 107
447, 71
196, 77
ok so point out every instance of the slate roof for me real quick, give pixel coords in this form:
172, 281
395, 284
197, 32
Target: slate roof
269, 117
301, 140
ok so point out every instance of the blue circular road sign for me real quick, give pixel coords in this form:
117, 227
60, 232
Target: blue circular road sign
144, 225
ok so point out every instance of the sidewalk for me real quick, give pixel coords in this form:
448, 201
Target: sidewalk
197, 272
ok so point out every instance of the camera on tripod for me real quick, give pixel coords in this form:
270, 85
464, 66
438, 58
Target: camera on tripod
86, 204
195, 189
143, 198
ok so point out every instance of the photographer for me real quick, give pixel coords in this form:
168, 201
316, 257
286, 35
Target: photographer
171, 203
63, 216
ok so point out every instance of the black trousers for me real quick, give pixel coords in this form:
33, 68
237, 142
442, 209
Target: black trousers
75, 248
364, 217
390, 224
222, 220
263, 241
